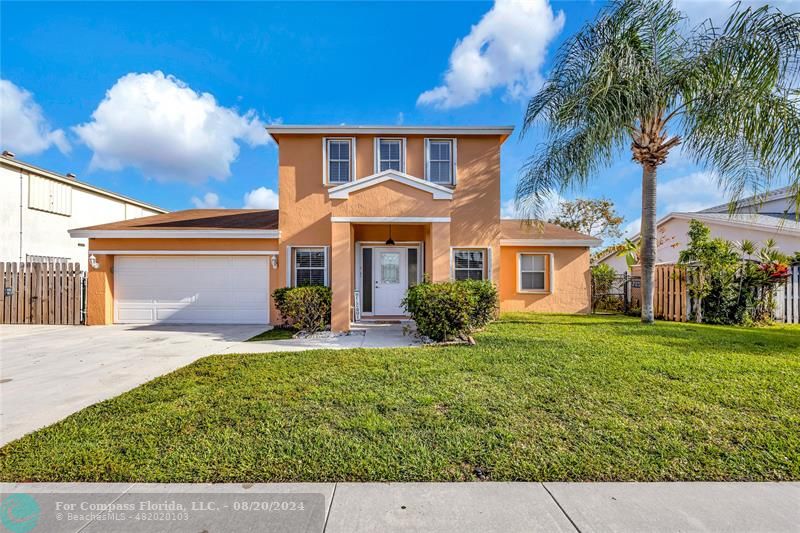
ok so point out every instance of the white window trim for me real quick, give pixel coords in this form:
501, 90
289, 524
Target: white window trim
550, 271
342, 192
291, 272
453, 157
377, 153
325, 141
487, 260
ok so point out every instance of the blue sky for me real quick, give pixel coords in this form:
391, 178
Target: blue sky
87, 87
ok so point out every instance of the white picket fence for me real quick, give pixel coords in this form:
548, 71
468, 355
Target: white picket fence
787, 299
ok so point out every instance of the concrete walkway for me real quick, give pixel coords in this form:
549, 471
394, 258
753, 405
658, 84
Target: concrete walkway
443, 507
49, 372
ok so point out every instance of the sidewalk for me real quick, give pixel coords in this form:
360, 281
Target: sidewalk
485, 507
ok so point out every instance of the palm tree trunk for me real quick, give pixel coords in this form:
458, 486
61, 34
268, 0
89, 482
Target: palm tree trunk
647, 257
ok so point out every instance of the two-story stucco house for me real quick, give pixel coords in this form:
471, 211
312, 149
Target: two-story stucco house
38, 207
367, 210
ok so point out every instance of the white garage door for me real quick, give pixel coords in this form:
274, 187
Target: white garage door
191, 290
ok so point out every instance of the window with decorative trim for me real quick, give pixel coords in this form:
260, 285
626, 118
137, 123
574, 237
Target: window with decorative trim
310, 266
390, 154
339, 160
533, 272
469, 264
439, 161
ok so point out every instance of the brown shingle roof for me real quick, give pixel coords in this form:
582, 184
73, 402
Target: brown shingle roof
208, 219
519, 229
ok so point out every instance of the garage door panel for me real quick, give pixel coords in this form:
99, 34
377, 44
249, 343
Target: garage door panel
191, 289
135, 315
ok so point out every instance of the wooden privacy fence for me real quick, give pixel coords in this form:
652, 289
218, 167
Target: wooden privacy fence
669, 300
787, 299
42, 293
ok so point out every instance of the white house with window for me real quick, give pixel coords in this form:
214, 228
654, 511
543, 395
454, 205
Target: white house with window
38, 207
758, 218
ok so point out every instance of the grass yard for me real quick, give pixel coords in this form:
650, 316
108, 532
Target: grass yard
541, 397
273, 334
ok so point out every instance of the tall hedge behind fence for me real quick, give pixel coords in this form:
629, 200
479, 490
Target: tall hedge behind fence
42, 293
671, 301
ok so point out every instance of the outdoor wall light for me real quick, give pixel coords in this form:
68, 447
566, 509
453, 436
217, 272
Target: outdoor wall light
93, 262
273, 261
390, 241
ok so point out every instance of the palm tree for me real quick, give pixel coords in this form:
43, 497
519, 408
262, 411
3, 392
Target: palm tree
637, 75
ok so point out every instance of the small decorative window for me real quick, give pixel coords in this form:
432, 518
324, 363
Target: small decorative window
440, 161
390, 155
533, 272
310, 267
340, 153
468, 264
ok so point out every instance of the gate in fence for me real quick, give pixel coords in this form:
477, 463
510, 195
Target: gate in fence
787, 299
616, 297
43, 293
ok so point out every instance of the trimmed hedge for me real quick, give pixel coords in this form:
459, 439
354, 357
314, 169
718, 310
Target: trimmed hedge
451, 309
304, 308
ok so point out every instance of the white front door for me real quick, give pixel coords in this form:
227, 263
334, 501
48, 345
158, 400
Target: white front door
391, 280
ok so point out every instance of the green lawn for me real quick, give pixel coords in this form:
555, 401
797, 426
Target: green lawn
539, 398
273, 334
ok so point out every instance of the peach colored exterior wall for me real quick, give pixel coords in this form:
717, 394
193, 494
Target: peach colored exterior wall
305, 208
100, 292
390, 199
571, 291
100, 282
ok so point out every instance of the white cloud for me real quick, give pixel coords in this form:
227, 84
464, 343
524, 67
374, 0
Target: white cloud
505, 49
509, 208
209, 200
261, 198
693, 192
632, 228
161, 126
23, 127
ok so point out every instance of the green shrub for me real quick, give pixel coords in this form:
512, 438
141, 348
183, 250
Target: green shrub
451, 309
603, 277
731, 283
305, 308
486, 302
279, 298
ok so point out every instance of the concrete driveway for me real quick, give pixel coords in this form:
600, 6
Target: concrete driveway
50, 372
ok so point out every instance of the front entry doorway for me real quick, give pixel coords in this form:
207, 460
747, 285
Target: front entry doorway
391, 279
385, 274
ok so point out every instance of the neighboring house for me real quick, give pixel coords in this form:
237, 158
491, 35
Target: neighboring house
38, 207
368, 211
758, 218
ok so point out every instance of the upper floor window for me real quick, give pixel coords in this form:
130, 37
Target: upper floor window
390, 155
340, 161
440, 167
49, 195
